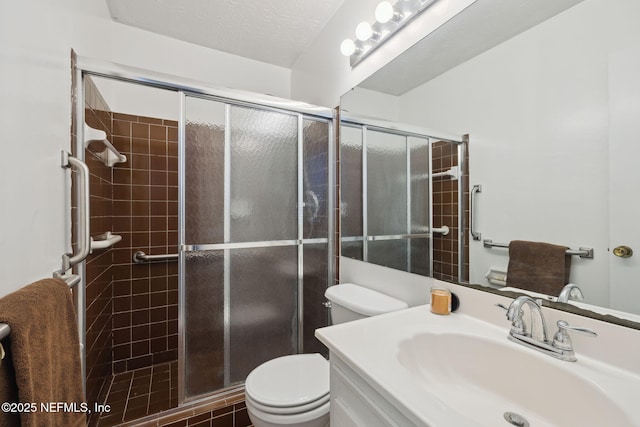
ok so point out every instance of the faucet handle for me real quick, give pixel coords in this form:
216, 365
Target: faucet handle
561, 339
502, 306
517, 324
563, 325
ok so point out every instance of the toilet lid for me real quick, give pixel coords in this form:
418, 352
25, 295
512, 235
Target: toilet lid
363, 300
289, 381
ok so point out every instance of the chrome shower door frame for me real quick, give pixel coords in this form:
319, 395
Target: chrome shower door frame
366, 124
110, 70
299, 242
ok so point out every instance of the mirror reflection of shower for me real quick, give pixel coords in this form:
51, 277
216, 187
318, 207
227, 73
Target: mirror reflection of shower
403, 198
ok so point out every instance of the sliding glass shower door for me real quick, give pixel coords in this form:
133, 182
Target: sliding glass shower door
386, 197
255, 213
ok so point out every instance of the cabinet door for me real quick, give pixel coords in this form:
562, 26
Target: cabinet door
356, 404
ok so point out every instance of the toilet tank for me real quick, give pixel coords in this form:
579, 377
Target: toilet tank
352, 302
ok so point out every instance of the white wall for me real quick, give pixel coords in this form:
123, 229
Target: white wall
365, 102
139, 100
36, 37
536, 109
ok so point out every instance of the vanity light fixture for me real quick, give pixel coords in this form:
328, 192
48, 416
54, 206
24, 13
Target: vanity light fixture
348, 47
364, 31
389, 19
385, 13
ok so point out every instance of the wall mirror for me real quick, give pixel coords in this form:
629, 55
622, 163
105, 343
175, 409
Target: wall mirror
549, 94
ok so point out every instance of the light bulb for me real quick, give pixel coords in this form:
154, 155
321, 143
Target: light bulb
384, 12
347, 47
364, 31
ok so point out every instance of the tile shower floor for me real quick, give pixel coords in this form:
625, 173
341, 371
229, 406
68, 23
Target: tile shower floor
142, 392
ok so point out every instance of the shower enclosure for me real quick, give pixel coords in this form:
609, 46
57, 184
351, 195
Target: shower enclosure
402, 199
239, 189
254, 240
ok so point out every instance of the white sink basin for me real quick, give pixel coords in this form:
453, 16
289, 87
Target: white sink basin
458, 371
493, 377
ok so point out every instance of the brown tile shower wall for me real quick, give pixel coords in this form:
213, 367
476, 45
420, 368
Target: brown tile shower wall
98, 264
445, 212
145, 213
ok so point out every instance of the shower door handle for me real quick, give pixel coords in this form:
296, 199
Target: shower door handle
475, 234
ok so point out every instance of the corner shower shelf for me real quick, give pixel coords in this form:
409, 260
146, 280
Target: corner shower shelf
105, 241
110, 155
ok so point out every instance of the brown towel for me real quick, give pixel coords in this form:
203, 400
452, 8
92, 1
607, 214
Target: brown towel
539, 267
45, 352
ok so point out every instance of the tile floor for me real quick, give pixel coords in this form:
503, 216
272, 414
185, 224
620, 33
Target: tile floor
136, 394
148, 391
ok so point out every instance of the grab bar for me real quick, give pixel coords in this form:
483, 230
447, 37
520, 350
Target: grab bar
84, 238
475, 190
105, 240
582, 252
444, 230
140, 257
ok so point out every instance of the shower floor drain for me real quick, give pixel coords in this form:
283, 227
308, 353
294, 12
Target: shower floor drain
515, 419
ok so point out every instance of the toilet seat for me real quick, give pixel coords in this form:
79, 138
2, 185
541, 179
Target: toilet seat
288, 410
289, 384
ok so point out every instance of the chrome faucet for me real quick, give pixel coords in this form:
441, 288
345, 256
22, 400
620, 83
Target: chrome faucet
570, 292
559, 347
515, 313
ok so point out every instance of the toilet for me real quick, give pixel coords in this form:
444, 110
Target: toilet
294, 390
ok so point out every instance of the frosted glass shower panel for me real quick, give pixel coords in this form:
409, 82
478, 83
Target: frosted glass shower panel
263, 307
204, 171
315, 279
389, 253
315, 179
204, 338
351, 181
420, 259
386, 183
419, 182
263, 173
354, 250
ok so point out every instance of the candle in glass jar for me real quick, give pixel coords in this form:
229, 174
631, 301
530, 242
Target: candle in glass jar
440, 301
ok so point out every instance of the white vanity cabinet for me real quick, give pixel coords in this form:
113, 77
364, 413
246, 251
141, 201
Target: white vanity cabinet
415, 368
355, 403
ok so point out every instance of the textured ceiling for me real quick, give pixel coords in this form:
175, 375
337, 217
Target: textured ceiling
278, 31
271, 31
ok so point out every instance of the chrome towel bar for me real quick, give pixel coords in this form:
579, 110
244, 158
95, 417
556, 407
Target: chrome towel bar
582, 252
140, 257
71, 279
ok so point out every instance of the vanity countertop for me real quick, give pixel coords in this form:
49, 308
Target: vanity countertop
402, 356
